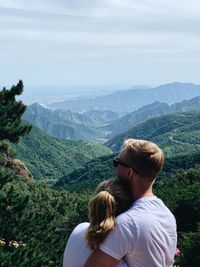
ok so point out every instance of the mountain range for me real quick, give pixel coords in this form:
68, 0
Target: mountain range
63, 123
98, 125
132, 99
152, 110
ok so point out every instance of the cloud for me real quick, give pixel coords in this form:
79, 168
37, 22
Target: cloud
99, 30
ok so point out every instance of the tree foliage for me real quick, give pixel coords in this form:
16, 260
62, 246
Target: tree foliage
52, 158
181, 193
11, 110
36, 221
190, 248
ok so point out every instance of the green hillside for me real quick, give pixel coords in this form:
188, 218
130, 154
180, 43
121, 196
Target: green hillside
146, 112
175, 132
51, 158
88, 176
100, 169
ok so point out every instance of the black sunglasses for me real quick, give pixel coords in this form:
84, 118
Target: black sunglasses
117, 161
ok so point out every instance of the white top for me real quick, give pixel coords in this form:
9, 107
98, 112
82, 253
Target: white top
145, 235
77, 251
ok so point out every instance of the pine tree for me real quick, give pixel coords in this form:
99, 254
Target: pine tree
12, 202
11, 110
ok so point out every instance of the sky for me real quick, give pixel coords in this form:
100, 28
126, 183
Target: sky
99, 42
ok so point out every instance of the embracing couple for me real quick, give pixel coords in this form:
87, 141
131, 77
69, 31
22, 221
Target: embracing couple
128, 225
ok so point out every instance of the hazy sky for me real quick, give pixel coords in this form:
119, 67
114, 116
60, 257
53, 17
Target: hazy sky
63, 42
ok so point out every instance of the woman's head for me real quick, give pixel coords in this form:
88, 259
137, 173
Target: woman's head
111, 198
119, 191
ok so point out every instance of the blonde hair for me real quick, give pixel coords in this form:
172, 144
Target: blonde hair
146, 157
112, 198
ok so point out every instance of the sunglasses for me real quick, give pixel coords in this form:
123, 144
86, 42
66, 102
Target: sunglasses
117, 161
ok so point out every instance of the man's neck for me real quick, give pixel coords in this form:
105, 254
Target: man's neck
139, 192
140, 195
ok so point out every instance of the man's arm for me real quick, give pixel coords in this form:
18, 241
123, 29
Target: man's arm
100, 259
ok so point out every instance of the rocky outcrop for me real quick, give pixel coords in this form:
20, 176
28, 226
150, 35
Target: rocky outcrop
18, 166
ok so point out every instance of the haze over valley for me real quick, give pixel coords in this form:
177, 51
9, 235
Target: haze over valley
98, 119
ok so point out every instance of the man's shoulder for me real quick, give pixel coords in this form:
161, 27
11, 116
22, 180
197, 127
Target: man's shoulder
126, 217
151, 207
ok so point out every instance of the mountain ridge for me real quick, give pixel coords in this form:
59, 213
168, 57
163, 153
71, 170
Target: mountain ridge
62, 123
154, 127
149, 111
132, 99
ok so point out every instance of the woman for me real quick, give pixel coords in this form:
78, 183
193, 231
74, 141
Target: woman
111, 198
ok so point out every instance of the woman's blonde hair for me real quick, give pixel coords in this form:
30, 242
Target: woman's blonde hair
112, 198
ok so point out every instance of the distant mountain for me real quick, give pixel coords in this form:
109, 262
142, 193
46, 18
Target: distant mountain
133, 99
101, 116
155, 109
99, 125
177, 131
63, 123
51, 158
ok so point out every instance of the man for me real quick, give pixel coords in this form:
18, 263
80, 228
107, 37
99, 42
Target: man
145, 235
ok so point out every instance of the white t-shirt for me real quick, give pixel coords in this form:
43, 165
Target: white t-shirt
145, 235
77, 251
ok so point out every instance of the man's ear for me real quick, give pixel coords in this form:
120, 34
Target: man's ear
130, 172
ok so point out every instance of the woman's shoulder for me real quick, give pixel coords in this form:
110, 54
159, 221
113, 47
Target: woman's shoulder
78, 233
81, 227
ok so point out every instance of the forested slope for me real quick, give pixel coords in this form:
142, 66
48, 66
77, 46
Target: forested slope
146, 112
178, 130
51, 158
35, 221
177, 134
